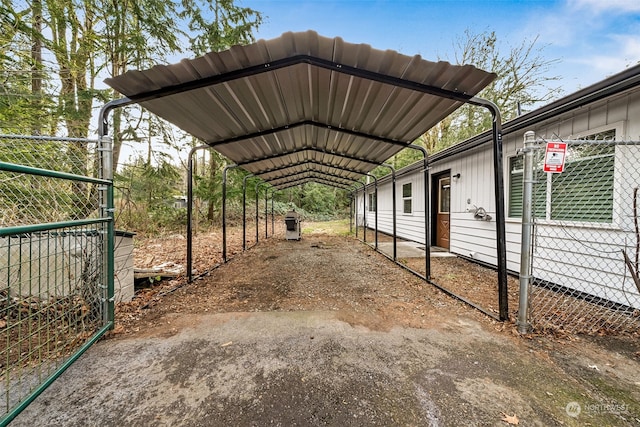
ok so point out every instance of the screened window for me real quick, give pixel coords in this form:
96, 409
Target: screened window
407, 198
372, 202
583, 192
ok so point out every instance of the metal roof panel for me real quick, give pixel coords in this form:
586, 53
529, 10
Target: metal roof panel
354, 105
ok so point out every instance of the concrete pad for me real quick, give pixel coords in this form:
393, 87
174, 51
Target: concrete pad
303, 368
405, 249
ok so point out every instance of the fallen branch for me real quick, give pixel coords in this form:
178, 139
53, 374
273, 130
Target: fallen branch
634, 273
153, 272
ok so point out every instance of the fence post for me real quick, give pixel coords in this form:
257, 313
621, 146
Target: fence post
106, 202
527, 224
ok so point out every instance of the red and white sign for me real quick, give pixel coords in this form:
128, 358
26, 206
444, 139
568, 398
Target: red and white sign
554, 157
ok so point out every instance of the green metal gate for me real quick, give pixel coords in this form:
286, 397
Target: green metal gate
56, 259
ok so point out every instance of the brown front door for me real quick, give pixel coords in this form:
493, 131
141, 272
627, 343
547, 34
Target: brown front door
442, 216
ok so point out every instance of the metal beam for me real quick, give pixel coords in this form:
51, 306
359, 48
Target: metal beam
313, 123
302, 150
310, 173
313, 162
294, 60
314, 177
317, 180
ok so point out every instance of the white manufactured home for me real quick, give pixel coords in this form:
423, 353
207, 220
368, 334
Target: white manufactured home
585, 218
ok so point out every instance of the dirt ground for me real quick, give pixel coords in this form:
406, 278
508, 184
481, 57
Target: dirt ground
469, 280
326, 331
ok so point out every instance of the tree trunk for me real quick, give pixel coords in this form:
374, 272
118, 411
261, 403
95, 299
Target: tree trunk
36, 65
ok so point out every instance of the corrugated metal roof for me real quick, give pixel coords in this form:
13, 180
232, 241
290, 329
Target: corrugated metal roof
303, 102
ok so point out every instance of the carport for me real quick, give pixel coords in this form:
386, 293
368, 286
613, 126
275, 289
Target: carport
305, 108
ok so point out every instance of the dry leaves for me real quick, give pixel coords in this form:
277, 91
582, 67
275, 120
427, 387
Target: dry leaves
511, 419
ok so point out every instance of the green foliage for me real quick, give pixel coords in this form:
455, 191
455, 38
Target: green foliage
314, 201
145, 195
88, 39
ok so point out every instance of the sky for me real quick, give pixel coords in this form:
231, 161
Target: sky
591, 39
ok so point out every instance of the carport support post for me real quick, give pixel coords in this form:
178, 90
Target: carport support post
266, 213
351, 213
393, 207
527, 224
375, 192
355, 209
364, 212
244, 211
190, 211
375, 213
257, 190
224, 210
501, 245
427, 241
273, 219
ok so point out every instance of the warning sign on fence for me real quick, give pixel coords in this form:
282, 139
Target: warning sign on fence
554, 157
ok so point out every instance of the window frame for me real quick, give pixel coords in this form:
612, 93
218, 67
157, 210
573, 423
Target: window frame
371, 207
407, 199
440, 198
545, 209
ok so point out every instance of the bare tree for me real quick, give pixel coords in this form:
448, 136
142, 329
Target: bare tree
523, 81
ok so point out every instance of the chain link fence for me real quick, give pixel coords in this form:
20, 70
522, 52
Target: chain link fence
32, 199
53, 248
586, 239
